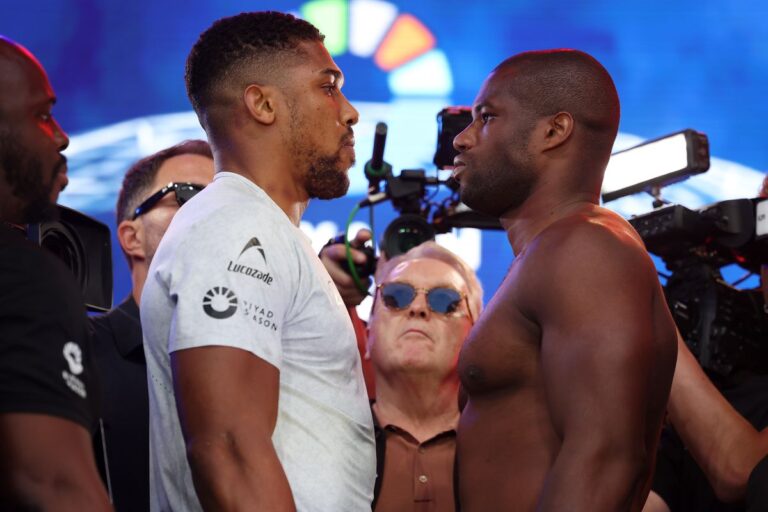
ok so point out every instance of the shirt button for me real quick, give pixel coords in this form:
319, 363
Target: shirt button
423, 479
421, 449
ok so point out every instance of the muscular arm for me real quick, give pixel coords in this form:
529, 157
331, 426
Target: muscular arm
47, 464
604, 381
725, 445
227, 403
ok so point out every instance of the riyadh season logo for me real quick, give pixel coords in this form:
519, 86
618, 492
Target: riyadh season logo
220, 302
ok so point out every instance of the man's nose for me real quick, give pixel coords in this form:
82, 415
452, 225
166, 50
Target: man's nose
350, 115
463, 141
60, 136
419, 306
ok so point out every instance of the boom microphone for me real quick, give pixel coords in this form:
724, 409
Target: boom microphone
376, 169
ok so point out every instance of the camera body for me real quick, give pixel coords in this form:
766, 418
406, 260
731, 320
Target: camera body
451, 121
725, 328
84, 245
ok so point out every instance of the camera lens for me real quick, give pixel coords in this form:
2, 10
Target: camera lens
405, 233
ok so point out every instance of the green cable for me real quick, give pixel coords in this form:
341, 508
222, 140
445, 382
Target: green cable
348, 248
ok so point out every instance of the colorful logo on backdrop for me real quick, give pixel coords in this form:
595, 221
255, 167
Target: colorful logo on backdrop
398, 43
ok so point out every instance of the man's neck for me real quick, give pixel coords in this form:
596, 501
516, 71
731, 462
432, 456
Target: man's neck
540, 211
274, 173
138, 277
421, 405
12, 225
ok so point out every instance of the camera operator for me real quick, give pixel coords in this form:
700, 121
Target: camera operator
413, 344
47, 390
705, 461
153, 190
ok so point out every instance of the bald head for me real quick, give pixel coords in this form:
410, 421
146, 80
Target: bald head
32, 168
552, 81
20, 71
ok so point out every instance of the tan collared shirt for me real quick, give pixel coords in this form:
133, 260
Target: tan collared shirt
417, 477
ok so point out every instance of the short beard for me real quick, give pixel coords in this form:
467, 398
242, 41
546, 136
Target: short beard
503, 184
24, 175
324, 177
501, 193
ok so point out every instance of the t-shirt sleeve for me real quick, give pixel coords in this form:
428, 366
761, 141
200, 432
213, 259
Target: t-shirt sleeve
45, 365
231, 287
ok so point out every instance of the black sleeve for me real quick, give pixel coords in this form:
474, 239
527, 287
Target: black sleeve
666, 476
45, 364
757, 488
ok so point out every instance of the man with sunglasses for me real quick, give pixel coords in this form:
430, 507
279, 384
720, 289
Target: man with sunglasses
424, 306
569, 369
257, 399
153, 190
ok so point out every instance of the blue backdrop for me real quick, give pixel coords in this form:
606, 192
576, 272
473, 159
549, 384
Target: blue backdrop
117, 68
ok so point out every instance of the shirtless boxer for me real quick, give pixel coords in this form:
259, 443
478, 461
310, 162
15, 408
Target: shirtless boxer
569, 369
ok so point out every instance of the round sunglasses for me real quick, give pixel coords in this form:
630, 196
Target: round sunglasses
184, 192
441, 299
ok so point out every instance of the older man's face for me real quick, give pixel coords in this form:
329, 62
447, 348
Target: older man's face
186, 168
416, 339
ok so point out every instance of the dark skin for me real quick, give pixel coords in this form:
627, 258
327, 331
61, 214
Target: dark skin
568, 369
229, 440
46, 462
26, 103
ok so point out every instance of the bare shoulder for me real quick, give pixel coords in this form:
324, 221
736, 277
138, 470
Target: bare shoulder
594, 239
590, 254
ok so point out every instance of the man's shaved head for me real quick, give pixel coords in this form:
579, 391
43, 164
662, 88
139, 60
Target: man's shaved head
552, 81
32, 168
251, 47
16, 63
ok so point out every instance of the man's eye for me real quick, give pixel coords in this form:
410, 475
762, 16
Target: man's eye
45, 116
485, 117
330, 89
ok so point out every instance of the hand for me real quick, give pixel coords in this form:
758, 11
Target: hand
333, 255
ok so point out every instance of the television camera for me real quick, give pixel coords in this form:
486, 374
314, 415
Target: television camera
726, 328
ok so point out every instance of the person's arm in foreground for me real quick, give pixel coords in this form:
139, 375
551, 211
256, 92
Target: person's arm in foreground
595, 310
725, 445
227, 403
47, 464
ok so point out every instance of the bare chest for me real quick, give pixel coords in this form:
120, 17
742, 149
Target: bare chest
502, 350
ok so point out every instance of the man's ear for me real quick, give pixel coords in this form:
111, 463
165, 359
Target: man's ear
130, 234
557, 130
260, 101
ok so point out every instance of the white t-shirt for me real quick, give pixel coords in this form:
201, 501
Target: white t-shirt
232, 270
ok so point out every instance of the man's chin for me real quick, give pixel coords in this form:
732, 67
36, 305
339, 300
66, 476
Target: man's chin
327, 182
330, 192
